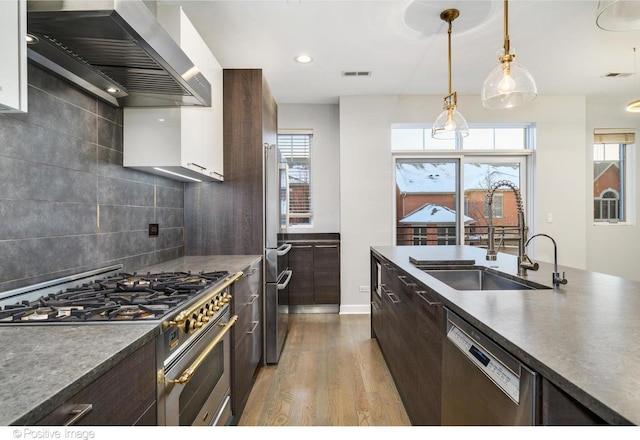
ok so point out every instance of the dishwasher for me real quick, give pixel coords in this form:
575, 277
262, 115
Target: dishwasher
481, 383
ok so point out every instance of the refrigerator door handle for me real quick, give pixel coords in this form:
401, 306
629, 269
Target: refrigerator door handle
284, 284
283, 249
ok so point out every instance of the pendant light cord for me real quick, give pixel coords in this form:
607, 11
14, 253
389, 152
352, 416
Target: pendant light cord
507, 49
449, 37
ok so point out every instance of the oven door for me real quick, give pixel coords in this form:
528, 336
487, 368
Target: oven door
197, 384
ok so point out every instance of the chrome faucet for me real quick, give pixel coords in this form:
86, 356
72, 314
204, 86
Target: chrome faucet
524, 262
556, 279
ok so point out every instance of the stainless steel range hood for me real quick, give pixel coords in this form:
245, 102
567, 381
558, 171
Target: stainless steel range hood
114, 44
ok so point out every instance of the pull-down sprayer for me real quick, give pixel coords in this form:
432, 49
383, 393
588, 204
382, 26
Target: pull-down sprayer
524, 263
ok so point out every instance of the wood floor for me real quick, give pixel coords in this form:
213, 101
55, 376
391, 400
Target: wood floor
330, 373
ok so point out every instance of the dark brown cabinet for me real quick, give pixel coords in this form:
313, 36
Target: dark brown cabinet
316, 274
227, 218
407, 321
301, 284
560, 409
123, 396
246, 335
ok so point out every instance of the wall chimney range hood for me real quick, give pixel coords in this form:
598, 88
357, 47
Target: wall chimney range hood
117, 51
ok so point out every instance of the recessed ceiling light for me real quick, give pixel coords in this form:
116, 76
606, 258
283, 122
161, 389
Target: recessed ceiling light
31, 39
303, 59
112, 90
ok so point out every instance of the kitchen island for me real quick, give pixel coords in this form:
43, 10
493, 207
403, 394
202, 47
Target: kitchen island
581, 337
44, 365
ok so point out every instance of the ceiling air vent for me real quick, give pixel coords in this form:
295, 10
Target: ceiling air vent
354, 73
617, 75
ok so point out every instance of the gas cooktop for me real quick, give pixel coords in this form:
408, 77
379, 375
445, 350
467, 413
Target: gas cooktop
113, 298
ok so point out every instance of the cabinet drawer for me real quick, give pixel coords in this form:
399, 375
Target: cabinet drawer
248, 285
121, 396
247, 356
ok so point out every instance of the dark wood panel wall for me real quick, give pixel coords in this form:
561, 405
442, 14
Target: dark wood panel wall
227, 217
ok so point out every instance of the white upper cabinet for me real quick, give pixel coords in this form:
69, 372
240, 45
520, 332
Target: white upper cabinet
13, 67
185, 143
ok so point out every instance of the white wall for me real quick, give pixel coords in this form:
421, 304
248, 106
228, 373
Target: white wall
366, 175
613, 249
323, 119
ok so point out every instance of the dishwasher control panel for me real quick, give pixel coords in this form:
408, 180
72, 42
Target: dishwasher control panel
502, 376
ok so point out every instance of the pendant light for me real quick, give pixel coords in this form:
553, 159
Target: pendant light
634, 106
450, 123
618, 15
509, 84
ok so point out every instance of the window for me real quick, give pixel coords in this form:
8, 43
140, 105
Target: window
295, 150
409, 137
441, 192
610, 150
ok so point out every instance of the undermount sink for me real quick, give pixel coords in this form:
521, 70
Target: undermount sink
480, 278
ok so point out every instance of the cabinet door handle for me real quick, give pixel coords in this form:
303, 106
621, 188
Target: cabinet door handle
332, 246
302, 247
422, 295
405, 281
394, 299
78, 412
253, 329
253, 299
196, 165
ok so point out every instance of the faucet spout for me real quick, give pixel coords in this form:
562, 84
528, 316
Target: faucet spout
524, 263
556, 279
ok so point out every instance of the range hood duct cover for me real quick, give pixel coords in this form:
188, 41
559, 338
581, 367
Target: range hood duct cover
115, 44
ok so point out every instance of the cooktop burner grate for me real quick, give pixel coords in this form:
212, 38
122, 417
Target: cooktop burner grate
121, 297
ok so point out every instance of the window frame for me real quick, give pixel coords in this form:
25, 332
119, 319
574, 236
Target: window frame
524, 156
309, 214
625, 138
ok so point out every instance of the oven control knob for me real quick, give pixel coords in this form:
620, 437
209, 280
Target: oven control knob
205, 319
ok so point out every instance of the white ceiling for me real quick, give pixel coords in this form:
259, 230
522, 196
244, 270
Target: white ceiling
403, 44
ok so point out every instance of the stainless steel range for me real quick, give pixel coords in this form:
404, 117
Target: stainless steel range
192, 313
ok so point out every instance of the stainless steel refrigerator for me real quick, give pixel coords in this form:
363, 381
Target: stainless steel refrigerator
276, 261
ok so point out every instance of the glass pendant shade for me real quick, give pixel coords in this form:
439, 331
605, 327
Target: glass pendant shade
508, 85
449, 124
634, 106
618, 15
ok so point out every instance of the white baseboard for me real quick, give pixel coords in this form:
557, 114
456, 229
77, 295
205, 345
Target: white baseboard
361, 309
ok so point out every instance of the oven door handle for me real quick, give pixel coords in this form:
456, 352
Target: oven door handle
189, 372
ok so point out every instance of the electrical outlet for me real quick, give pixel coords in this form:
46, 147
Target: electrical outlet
364, 289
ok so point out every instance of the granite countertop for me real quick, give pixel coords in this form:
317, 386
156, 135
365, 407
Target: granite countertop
41, 366
582, 336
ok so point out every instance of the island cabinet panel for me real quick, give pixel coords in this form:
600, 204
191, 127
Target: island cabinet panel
429, 329
123, 396
560, 409
246, 335
409, 328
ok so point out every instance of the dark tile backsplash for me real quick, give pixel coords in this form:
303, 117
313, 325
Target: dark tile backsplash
66, 202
